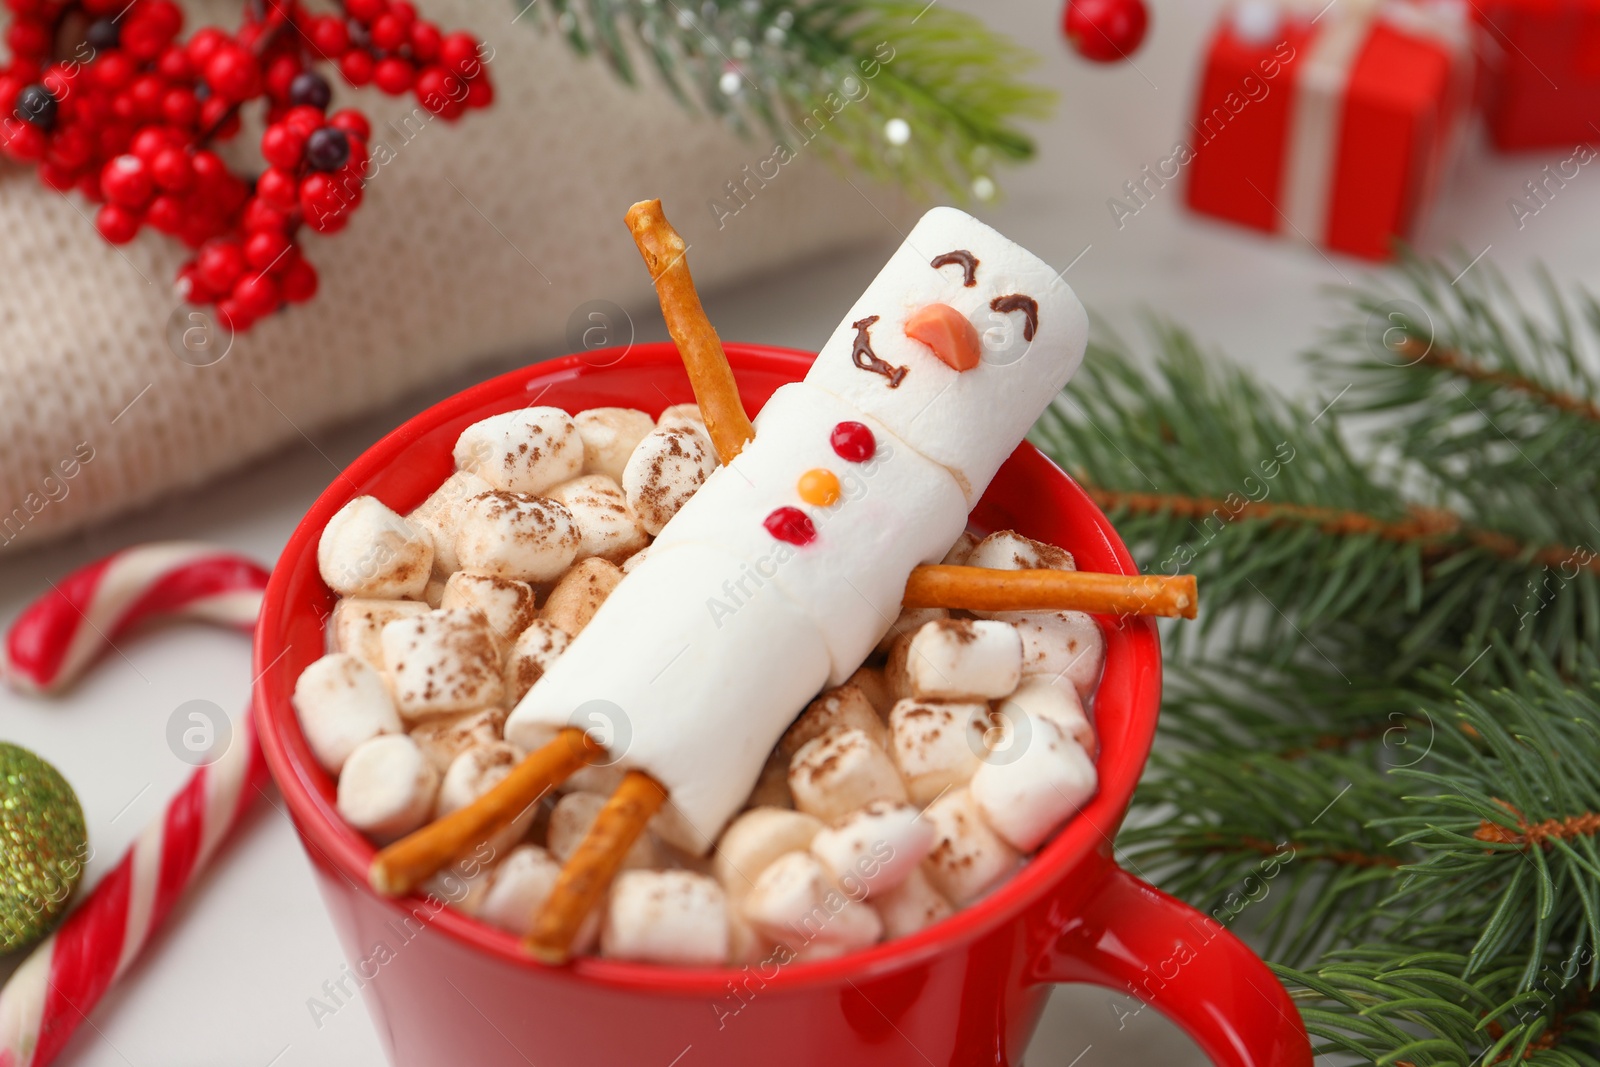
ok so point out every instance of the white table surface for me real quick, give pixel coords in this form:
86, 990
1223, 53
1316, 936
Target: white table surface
229, 980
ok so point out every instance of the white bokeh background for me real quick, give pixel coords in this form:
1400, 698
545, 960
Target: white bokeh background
229, 980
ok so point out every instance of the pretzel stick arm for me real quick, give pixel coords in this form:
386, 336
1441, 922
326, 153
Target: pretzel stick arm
590, 869
415, 858
981, 589
715, 389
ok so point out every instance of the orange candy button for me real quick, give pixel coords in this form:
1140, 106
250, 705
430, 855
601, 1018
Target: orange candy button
819, 486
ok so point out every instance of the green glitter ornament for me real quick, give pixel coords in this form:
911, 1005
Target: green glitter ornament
43, 846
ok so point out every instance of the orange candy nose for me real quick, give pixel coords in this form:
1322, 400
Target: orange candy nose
945, 330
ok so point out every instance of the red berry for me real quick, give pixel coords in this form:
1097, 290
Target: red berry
180, 107
172, 170
150, 28
357, 68
433, 88
281, 146
220, 264
204, 44
113, 71
425, 41
209, 170
263, 249
174, 64
459, 52
280, 72
150, 142
304, 120
479, 92
191, 288
277, 187
23, 139
218, 114
233, 73
262, 217
298, 281
329, 35
1105, 31
165, 214
71, 148
393, 75
233, 316
117, 224
57, 177
353, 123
403, 10
28, 39
388, 32
365, 10
126, 181
256, 295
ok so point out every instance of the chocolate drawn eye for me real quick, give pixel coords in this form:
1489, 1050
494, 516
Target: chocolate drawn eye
862, 355
967, 261
1025, 304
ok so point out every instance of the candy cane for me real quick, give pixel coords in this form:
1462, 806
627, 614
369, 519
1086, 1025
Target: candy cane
48, 646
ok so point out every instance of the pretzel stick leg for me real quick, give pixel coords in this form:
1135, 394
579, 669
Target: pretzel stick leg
981, 589
714, 386
590, 869
413, 859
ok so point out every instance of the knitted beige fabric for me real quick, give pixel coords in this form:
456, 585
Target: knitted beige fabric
478, 238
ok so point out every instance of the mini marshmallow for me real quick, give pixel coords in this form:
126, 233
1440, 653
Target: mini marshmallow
531, 655
524, 451
961, 552
964, 659
1023, 797
367, 550
609, 438
937, 746
357, 625
1039, 698
897, 669
433, 593
607, 526
521, 885
746, 944
682, 417
664, 471
754, 840
342, 702
876, 848
843, 707
968, 858
506, 604
1066, 647
911, 906
442, 662
437, 515
387, 787
634, 560
671, 917
444, 738
516, 536
909, 621
875, 687
1007, 550
579, 594
832, 775
475, 772
570, 821
465, 893
795, 903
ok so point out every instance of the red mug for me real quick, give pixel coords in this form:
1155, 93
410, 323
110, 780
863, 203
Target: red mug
444, 988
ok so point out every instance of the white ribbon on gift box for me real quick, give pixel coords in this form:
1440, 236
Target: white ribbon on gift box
1322, 79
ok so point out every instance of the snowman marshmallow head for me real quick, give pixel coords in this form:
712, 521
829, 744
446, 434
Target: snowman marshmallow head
957, 346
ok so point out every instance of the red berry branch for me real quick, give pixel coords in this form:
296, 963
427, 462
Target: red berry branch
103, 98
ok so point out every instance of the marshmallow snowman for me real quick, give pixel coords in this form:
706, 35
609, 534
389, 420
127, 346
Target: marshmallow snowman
787, 567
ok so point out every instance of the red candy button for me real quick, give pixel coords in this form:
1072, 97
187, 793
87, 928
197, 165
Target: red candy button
853, 441
791, 525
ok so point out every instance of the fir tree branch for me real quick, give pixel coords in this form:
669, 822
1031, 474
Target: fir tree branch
833, 72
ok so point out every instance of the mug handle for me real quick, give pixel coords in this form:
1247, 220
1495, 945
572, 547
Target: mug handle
1131, 937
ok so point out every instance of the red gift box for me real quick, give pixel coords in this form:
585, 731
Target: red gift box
1334, 126
1542, 72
